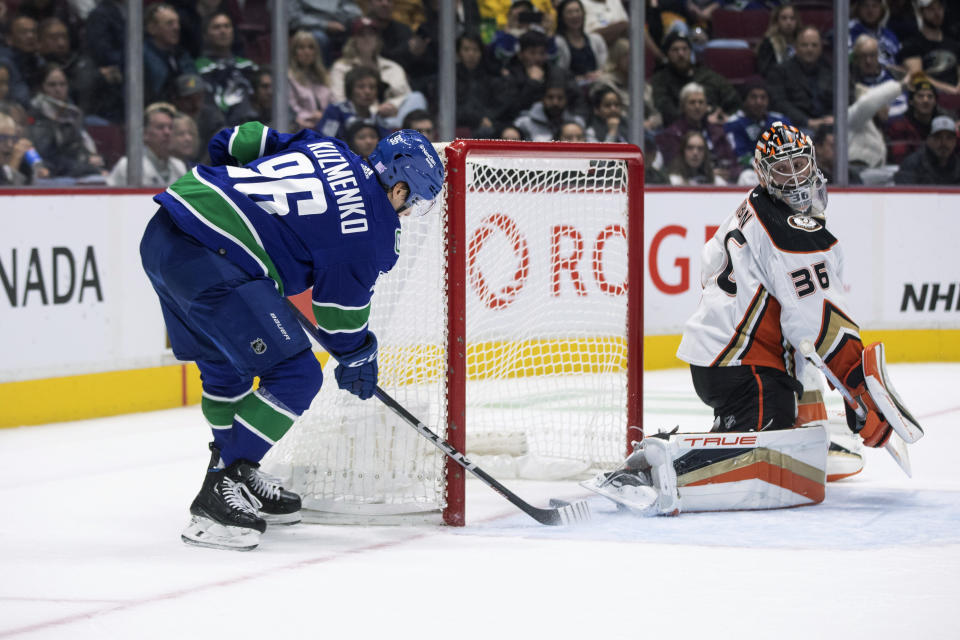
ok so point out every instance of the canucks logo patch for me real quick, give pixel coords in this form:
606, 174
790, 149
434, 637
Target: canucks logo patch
804, 223
258, 346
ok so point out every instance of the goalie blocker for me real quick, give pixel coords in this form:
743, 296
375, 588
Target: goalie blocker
874, 410
673, 472
881, 398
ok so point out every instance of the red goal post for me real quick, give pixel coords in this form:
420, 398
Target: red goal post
457, 156
507, 327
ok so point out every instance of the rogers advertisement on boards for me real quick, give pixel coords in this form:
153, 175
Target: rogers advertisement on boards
74, 299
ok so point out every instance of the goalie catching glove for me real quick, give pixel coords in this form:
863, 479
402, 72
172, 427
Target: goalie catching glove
869, 385
357, 371
872, 427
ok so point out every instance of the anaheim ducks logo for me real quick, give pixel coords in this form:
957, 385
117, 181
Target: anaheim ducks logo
804, 223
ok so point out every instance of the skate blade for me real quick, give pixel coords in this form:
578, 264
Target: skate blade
843, 465
204, 532
637, 500
281, 519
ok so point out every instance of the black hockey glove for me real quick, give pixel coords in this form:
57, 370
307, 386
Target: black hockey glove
357, 371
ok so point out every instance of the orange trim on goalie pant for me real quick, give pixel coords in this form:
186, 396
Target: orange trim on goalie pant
772, 474
753, 370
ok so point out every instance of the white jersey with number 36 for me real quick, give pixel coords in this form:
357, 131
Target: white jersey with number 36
770, 279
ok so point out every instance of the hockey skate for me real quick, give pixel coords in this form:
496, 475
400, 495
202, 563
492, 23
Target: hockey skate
845, 451
224, 513
646, 485
845, 455
631, 490
276, 504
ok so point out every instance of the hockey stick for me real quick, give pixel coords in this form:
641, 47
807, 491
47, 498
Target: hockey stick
895, 445
561, 512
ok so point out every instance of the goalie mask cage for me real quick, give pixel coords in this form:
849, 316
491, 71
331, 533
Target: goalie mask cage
507, 327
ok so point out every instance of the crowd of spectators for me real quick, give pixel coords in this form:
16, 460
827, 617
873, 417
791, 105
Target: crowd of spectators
525, 69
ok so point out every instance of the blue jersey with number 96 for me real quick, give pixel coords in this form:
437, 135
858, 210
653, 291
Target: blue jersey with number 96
302, 210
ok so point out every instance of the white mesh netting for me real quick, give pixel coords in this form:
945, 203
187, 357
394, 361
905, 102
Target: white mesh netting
546, 316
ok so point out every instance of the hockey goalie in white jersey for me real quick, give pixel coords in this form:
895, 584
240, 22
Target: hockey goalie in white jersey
772, 279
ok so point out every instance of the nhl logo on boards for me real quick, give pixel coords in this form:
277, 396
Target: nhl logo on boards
804, 223
258, 346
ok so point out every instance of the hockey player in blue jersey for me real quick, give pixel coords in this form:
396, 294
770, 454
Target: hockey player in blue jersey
273, 215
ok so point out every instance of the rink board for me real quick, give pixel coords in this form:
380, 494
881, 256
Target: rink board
85, 335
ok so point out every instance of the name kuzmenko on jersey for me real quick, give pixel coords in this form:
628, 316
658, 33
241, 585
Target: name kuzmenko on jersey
343, 182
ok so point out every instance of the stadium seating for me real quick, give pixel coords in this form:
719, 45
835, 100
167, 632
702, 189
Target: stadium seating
111, 142
258, 49
735, 64
744, 25
821, 18
255, 23
949, 102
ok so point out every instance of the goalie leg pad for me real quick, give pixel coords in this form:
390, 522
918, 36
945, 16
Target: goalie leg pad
766, 470
722, 472
885, 396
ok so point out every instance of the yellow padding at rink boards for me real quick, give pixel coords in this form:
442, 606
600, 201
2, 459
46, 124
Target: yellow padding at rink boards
97, 395
912, 345
118, 392
905, 345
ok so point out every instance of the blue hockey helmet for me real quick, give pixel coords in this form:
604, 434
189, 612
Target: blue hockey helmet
407, 156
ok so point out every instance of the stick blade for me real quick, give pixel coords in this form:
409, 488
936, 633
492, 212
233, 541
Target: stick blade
897, 448
570, 512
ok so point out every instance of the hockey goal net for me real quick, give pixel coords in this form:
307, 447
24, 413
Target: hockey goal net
507, 327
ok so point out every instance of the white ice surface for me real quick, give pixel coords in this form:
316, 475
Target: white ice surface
90, 548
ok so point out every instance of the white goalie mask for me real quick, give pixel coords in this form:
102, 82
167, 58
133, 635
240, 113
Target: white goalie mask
786, 164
